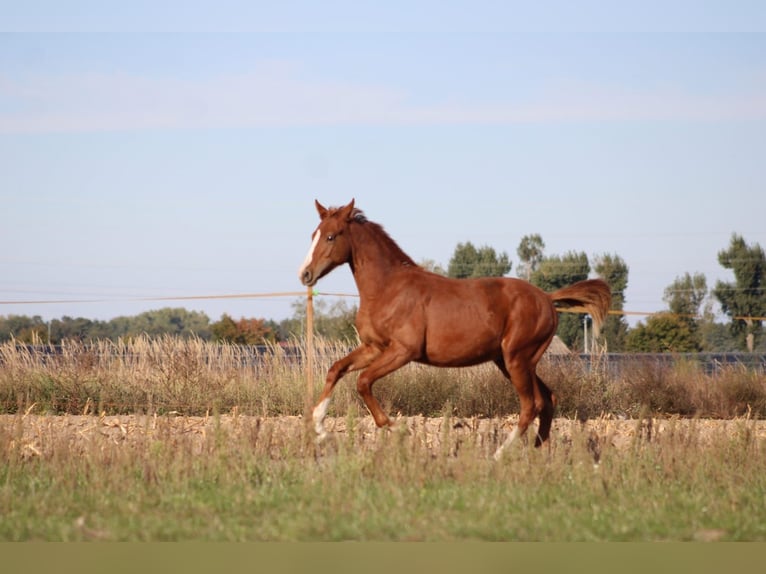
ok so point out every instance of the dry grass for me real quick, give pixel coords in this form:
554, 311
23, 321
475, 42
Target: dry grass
147, 375
588, 389
193, 377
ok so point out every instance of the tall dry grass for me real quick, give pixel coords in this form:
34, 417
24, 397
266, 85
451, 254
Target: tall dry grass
150, 375
192, 377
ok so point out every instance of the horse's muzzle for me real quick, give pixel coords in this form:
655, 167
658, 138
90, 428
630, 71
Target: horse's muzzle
307, 277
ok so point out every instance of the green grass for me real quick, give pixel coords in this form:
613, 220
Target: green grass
165, 475
245, 479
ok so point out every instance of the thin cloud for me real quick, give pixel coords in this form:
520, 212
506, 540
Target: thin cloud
276, 95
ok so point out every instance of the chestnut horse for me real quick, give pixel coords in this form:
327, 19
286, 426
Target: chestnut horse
409, 314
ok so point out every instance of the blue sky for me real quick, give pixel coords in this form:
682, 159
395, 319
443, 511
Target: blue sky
142, 158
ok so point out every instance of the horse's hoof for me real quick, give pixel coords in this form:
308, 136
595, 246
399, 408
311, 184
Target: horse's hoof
321, 437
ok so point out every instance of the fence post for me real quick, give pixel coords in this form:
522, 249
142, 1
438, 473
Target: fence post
309, 349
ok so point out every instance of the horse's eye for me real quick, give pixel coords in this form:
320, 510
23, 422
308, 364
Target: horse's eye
331, 237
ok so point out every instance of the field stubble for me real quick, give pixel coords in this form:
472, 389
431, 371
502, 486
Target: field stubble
31, 435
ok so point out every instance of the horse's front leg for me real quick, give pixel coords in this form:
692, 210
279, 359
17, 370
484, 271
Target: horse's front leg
394, 357
359, 358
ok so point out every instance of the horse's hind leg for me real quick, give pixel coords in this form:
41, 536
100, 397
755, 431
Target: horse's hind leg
525, 382
548, 400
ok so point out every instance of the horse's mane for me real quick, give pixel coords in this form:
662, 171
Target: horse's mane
376, 232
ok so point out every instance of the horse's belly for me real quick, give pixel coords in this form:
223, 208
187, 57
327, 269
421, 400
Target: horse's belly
461, 349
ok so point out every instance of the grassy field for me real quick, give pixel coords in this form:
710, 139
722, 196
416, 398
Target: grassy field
241, 478
185, 441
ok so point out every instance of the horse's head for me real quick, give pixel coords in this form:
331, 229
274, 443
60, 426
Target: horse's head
330, 245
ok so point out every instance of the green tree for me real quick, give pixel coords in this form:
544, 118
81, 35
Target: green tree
78, 328
336, 320
23, 329
662, 333
120, 327
555, 272
469, 262
716, 337
685, 297
614, 270
225, 329
744, 301
169, 321
530, 251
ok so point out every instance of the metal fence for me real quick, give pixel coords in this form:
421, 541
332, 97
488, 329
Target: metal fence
710, 363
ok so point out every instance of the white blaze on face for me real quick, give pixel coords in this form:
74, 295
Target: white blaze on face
309, 255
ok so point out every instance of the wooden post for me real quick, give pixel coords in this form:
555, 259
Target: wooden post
585, 349
309, 349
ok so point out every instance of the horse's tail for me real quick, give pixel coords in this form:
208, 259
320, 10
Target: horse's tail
591, 296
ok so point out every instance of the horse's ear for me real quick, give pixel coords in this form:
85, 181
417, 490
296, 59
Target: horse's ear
321, 209
347, 211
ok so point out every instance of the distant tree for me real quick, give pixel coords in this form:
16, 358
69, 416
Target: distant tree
225, 329
468, 261
614, 270
662, 333
254, 331
23, 329
530, 251
555, 272
170, 321
336, 320
433, 267
79, 329
175, 322
120, 327
242, 332
716, 337
685, 297
744, 301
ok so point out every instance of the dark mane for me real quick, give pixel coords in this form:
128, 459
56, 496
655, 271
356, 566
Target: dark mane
358, 216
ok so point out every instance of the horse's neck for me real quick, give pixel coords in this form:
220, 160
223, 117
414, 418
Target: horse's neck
373, 262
